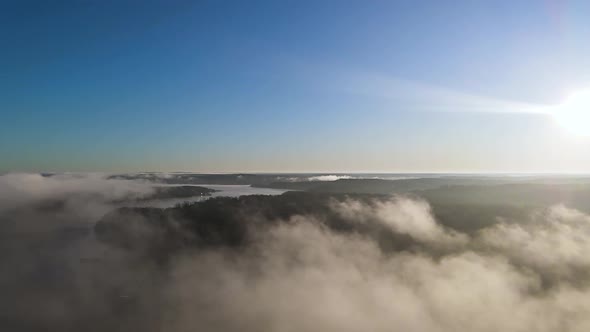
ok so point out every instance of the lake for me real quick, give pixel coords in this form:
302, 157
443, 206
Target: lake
222, 191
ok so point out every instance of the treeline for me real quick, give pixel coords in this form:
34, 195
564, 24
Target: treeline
232, 222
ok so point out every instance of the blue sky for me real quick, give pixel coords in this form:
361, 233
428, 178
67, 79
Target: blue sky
290, 86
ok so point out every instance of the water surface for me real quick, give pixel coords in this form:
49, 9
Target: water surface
223, 190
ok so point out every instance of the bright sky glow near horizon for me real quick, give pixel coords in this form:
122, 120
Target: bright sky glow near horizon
295, 86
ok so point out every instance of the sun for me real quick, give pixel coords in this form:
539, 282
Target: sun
574, 113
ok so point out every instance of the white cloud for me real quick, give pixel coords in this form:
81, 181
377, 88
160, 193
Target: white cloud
403, 216
329, 177
555, 241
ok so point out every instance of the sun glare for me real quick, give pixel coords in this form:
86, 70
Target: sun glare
574, 113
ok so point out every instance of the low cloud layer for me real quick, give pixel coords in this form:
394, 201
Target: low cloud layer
404, 216
24, 189
324, 269
301, 276
335, 177
328, 177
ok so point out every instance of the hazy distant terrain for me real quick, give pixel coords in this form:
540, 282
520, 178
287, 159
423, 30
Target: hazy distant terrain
340, 253
509, 190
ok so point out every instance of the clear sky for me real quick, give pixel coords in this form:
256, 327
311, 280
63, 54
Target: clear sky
292, 86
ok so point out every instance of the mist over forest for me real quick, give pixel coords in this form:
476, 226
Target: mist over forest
338, 252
